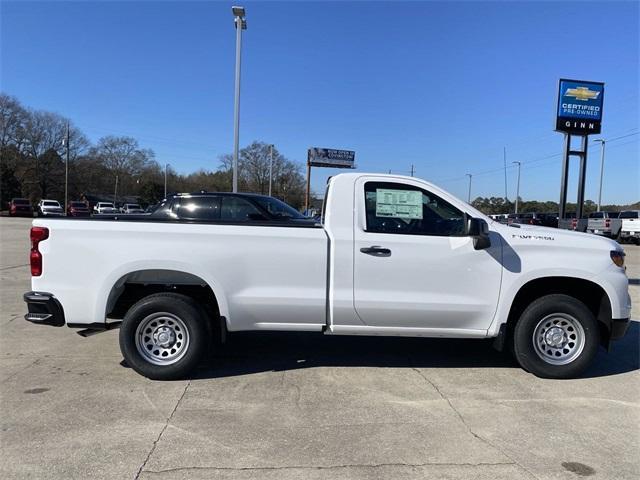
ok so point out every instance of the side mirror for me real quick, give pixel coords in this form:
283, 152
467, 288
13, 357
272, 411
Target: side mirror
479, 230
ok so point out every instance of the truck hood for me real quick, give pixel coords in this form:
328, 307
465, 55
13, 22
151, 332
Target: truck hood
547, 236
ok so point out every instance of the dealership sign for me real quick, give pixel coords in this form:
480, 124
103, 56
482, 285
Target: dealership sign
330, 157
579, 107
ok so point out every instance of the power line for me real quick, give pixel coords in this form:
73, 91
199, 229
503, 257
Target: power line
500, 169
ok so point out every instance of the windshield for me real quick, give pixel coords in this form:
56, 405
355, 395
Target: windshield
51, 204
629, 214
21, 201
133, 205
106, 205
78, 205
277, 208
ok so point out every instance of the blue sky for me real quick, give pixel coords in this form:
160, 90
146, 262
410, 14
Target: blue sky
440, 85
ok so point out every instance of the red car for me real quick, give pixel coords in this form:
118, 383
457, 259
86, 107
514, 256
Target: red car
20, 207
78, 209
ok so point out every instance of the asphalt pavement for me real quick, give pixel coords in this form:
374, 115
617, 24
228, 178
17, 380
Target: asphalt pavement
289, 406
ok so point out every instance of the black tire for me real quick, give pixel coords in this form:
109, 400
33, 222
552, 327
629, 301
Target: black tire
548, 318
179, 312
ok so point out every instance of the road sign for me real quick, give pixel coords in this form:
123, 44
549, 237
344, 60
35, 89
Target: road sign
330, 157
579, 107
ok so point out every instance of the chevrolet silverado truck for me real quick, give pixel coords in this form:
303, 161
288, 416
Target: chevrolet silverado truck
392, 255
630, 230
604, 223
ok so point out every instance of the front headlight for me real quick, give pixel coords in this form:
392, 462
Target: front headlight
617, 257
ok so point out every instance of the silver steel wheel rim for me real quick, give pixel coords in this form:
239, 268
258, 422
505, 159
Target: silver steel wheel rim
162, 338
558, 339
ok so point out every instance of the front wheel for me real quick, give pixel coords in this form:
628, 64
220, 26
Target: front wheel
556, 336
163, 336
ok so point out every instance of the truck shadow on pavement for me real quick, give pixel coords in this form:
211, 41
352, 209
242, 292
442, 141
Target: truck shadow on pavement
253, 352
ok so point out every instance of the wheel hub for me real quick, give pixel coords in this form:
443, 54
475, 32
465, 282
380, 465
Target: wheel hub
164, 337
555, 337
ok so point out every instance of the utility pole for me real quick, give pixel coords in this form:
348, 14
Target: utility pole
241, 24
165, 179
66, 173
469, 194
115, 192
602, 141
412, 170
504, 157
517, 186
270, 167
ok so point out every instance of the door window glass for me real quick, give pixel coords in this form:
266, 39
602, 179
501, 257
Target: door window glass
198, 208
239, 210
405, 209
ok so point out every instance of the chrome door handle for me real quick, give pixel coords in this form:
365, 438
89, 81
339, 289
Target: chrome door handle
376, 251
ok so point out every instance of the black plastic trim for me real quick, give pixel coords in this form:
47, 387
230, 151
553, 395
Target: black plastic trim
45, 304
619, 327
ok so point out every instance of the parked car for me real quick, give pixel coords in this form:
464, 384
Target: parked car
226, 207
395, 256
104, 207
20, 207
630, 230
533, 218
78, 209
46, 208
604, 223
131, 208
513, 218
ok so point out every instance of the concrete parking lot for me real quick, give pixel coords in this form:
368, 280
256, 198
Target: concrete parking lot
279, 406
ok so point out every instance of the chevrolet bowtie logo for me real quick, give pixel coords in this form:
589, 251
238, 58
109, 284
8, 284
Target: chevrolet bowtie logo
581, 93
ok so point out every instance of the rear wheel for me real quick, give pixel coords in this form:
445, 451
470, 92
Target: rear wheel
163, 336
557, 336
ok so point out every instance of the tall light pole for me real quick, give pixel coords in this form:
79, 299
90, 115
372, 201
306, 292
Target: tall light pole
66, 172
241, 24
270, 166
504, 159
469, 194
166, 165
602, 141
517, 186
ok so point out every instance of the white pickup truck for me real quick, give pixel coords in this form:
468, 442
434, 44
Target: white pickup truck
392, 255
630, 230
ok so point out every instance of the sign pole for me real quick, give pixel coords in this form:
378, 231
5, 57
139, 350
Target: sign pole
564, 179
582, 177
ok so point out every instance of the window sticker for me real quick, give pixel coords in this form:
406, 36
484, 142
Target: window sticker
406, 204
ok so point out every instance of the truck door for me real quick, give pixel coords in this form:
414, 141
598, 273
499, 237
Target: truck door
414, 266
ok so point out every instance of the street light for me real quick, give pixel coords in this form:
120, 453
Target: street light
166, 165
602, 141
469, 195
270, 166
65, 142
517, 186
240, 24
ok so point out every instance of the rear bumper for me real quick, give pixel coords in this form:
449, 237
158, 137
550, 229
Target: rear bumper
44, 309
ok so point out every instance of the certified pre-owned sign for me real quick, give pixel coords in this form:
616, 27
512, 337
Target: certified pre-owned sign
330, 157
579, 107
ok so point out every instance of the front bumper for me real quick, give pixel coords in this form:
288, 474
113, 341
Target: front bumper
44, 309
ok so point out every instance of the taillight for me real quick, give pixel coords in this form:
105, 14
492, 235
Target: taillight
38, 234
574, 223
607, 223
